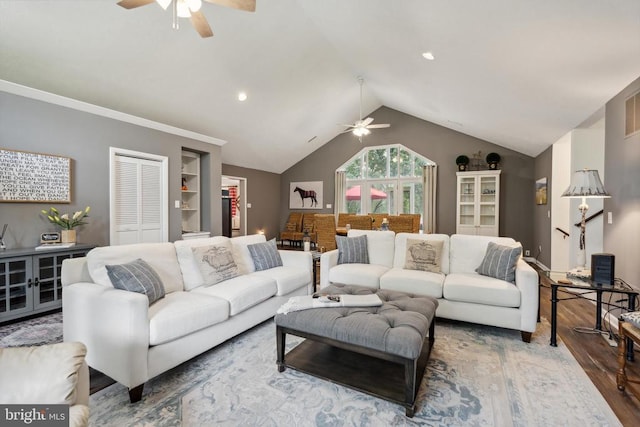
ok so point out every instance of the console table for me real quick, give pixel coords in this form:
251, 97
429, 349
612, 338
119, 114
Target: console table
30, 279
589, 286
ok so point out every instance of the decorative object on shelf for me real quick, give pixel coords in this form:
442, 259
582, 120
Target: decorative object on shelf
492, 160
462, 161
585, 184
184, 184
476, 161
66, 222
541, 191
50, 237
306, 241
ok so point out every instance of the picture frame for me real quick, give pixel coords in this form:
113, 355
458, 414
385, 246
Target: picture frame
34, 177
305, 195
541, 191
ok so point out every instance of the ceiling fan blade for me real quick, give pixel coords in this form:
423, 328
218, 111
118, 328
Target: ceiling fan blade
346, 131
246, 5
366, 121
130, 4
380, 126
200, 23
347, 126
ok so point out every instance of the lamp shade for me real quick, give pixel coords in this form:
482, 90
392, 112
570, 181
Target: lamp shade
586, 183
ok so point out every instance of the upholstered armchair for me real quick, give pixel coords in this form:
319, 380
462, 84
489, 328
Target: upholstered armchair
47, 375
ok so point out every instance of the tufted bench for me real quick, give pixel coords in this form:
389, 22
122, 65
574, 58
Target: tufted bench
378, 350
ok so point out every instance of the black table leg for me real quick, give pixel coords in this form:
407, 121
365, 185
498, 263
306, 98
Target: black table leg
554, 313
598, 310
632, 307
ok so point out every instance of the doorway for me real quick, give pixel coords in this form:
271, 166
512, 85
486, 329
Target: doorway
235, 189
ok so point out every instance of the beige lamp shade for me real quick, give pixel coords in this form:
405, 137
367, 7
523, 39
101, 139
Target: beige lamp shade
586, 183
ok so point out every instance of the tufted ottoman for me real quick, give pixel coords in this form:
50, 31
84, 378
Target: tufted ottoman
381, 350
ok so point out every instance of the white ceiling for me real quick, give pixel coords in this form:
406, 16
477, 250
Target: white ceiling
518, 73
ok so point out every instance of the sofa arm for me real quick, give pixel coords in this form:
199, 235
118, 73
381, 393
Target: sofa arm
113, 324
328, 260
527, 282
75, 270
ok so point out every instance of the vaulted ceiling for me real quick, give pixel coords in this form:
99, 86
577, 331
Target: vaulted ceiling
518, 73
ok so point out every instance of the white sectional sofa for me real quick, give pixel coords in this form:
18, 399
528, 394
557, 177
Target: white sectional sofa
131, 340
462, 293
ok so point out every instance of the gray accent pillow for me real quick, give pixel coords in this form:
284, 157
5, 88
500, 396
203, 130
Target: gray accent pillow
215, 263
137, 276
424, 255
265, 255
500, 262
352, 250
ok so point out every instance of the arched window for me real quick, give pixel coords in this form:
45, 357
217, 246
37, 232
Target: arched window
386, 179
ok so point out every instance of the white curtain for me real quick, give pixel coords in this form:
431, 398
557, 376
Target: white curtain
340, 191
430, 184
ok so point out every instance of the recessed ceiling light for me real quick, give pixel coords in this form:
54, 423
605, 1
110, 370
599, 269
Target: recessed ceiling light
429, 56
242, 96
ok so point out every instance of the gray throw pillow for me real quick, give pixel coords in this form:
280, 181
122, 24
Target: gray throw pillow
500, 262
216, 263
352, 250
265, 255
424, 255
137, 276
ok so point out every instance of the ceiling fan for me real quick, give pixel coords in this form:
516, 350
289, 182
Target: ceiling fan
191, 9
361, 127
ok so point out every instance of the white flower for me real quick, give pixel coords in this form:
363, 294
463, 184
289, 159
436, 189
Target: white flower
65, 217
77, 214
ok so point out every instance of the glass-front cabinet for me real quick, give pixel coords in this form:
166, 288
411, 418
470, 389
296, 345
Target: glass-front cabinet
478, 203
30, 280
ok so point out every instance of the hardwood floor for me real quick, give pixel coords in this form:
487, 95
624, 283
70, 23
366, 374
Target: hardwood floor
593, 352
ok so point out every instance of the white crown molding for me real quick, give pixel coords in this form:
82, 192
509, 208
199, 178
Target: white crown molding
74, 104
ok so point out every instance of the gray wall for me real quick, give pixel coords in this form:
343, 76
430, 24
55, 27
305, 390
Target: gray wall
263, 190
622, 181
30, 125
541, 218
437, 143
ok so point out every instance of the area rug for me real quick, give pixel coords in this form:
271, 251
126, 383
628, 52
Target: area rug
477, 376
40, 330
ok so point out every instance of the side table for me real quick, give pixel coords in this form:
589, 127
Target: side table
590, 286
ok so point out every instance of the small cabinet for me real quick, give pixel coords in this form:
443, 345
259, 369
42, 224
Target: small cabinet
30, 280
478, 203
190, 192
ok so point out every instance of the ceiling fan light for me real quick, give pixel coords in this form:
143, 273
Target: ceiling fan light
164, 3
361, 131
194, 5
183, 9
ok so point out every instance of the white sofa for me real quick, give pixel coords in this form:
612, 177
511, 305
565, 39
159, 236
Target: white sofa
132, 341
462, 293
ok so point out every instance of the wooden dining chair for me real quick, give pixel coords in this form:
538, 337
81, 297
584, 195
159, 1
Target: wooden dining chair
415, 227
309, 226
293, 226
360, 222
326, 231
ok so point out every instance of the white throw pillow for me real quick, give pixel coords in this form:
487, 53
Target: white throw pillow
424, 255
216, 263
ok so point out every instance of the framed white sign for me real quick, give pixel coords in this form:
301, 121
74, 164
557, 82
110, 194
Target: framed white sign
305, 195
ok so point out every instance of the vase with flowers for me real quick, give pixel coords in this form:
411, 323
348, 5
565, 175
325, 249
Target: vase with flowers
67, 222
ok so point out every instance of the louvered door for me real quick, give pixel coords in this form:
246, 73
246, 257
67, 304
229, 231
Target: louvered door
137, 201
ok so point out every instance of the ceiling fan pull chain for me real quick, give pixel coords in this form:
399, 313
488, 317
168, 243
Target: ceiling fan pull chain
174, 8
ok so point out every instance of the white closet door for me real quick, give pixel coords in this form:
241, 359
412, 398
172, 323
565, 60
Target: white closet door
137, 200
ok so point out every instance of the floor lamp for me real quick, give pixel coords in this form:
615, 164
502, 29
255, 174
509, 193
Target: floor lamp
585, 184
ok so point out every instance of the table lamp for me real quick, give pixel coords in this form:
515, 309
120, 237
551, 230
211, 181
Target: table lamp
585, 184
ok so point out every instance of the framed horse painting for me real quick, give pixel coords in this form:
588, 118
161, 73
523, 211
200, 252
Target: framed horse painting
305, 195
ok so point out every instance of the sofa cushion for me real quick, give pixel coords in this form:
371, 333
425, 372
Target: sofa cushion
241, 292
181, 313
413, 282
466, 252
352, 250
241, 253
380, 245
500, 262
288, 279
478, 289
424, 255
137, 276
400, 256
215, 263
265, 255
46, 374
358, 274
160, 256
190, 271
